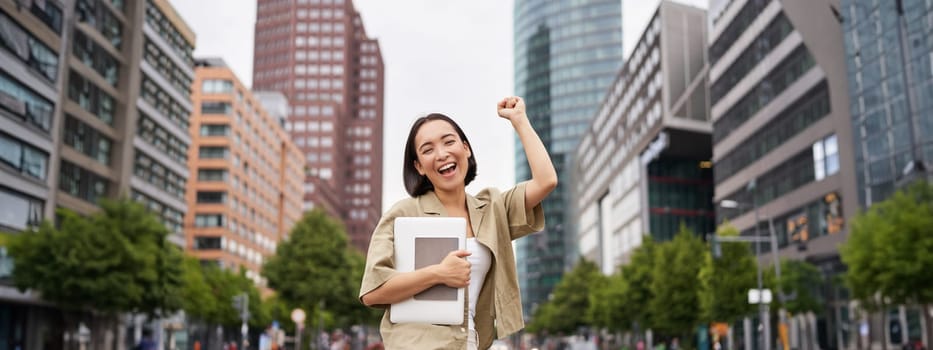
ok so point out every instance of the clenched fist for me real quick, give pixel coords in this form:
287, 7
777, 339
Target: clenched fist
511, 107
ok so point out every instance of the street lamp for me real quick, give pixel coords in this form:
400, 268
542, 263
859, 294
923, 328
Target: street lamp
764, 314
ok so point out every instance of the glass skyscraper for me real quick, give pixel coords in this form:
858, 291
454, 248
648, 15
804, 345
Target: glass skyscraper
567, 54
889, 54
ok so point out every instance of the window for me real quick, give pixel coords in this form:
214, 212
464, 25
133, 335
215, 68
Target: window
49, 13
787, 72
87, 140
215, 130
159, 137
825, 157
156, 174
94, 56
167, 68
24, 158
807, 110
165, 104
81, 183
18, 211
217, 86
98, 16
212, 175
212, 197
171, 218
30, 50
22, 101
213, 152
209, 220
91, 98
167, 30
213, 107
207, 243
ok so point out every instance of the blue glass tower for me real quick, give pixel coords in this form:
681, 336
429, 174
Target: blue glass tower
889, 58
567, 54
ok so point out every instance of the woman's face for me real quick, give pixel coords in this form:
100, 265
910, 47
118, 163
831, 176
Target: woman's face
442, 155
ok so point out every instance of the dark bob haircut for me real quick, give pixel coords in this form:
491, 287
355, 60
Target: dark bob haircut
417, 184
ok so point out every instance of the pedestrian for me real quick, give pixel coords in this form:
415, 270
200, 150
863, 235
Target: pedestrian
438, 164
146, 343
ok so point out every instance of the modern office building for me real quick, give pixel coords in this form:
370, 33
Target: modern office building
94, 98
317, 53
782, 134
889, 57
247, 192
566, 55
642, 167
890, 85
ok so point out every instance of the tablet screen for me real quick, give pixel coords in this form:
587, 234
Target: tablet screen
430, 251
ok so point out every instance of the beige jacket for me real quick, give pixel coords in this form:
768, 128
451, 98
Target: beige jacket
497, 218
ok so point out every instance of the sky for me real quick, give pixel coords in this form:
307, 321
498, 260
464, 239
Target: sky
453, 57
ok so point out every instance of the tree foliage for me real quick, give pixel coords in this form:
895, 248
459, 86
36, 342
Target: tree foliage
315, 267
566, 312
116, 260
608, 308
802, 283
725, 281
621, 304
674, 306
888, 250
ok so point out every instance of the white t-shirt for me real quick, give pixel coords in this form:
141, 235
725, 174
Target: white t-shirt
480, 262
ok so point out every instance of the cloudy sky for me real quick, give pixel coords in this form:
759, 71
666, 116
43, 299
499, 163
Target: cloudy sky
453, 57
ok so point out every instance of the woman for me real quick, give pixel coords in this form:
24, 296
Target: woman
438, 165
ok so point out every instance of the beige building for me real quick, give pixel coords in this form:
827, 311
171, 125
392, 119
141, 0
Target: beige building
94, 103
245, 192
782, 138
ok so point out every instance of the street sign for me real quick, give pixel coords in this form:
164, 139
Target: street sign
759, 296
298, 315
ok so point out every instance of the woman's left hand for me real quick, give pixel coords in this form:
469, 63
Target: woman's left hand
511, 108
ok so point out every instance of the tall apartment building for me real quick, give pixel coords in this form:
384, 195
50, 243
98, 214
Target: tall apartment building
317, 53
246, 195
643, 164
566, 56
782, 132
94, 98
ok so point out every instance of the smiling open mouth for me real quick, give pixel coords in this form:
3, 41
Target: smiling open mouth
447, 169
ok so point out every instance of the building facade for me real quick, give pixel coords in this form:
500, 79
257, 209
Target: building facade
782, 131
94, 103
889, 57
566, 56
642, 167
890, 85
247, 192
317, 53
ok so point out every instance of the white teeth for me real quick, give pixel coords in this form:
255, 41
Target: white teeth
448, 166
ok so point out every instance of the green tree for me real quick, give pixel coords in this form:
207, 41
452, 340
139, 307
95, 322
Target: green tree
638, 276
725, 281
223, 286
801, 283
566, 311
199, 299
116, 260
315, 268
607, 307
675, 307
888, 251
